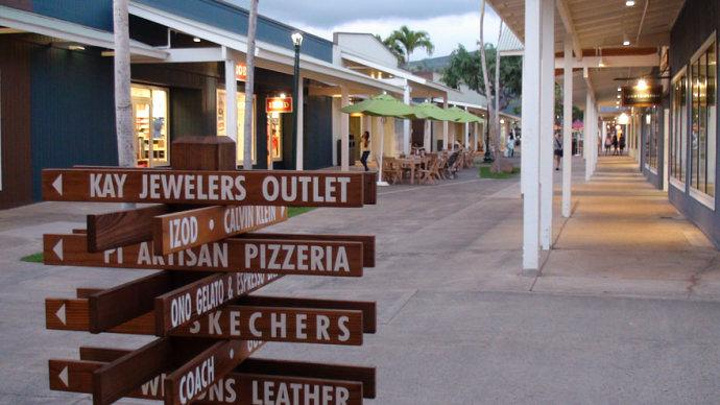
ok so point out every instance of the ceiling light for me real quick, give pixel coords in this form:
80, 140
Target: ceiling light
642, 84
618, 96
76, 47
196, 39
601, 63
619, 88
626, 42
630, 3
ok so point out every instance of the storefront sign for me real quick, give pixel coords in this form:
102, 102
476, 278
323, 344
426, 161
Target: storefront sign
277, 188
279, 105
241, 72
183, 230
310, 258
633, 96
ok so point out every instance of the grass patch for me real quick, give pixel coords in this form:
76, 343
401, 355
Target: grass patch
295, 211
34, 258
486, 173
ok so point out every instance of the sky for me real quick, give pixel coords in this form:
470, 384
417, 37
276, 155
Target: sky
448, 22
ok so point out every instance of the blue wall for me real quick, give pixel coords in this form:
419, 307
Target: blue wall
235, 19
318, 142
72, 109
92, 13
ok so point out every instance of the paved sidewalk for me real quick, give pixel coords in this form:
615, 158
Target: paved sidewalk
624, 310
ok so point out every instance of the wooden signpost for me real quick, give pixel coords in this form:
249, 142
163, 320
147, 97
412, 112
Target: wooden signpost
201, 234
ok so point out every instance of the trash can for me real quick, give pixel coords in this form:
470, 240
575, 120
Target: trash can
352, 151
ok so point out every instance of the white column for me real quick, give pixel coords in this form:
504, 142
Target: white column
299, 148
547, 122
467, 133
475, 135
231, 117
604, 134
446, 128
426, 136
531, 137
587, 138
406, 123
344, 131
567, 128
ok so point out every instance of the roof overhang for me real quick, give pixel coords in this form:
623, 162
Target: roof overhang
268, 56
71, 32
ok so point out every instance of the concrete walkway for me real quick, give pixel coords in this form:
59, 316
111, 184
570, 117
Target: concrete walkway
624, 237
624, 310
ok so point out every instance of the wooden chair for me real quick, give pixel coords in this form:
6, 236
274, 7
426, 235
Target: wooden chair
430, 173
391, 170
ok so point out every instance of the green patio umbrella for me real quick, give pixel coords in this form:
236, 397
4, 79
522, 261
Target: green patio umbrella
430, 111
461, 116
381, 105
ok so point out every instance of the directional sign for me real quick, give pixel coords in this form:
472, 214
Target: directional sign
298, 325
191, 381
120, 228
73, 314
242, 387
309, 258
183, 230
185, 304
280, 188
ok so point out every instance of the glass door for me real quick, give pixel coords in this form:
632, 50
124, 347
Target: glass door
150, 114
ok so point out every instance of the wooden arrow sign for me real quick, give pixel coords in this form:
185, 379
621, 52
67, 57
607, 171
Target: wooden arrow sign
186, 229
282, 382
330, 322
281, 188
309, 258
297, 325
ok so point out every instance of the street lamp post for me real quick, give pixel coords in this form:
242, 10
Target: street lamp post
297, 40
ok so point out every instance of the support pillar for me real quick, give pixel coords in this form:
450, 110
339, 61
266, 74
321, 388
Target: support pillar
547, 122
406, 123
231, 117
427, 141
587, 147
446, 128
531, 137
467, 133
475, 137
567, 128
345, 131
300, 142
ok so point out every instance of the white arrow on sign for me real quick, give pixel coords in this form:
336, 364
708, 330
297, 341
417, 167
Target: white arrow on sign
61, 314
64, 376
58, 184
58, 249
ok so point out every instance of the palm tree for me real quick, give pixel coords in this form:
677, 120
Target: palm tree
409, 41
393, 46
123, 103
250, 86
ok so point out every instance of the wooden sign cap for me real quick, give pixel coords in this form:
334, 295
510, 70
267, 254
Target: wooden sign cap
204, 153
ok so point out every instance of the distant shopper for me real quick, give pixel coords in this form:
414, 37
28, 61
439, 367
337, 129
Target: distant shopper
622, 145
615, 144
557, 149
365, 149
608, 144
510, 146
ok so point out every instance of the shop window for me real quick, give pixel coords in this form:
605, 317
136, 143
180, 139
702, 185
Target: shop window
651, 121
678, 133
703, 142
221, 128
275, 136
150, 115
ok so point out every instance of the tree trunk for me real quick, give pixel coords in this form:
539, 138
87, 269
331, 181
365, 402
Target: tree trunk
123, 102
492, 130
498, 129
250, 86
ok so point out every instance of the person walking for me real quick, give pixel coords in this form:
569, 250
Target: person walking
608, 144
622, 145
365, 149
615, 144
557, 150
510, 146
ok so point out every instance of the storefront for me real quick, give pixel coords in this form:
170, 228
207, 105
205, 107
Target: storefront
694, 118
151, 119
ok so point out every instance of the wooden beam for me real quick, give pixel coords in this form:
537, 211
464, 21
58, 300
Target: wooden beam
566, 17
121, 228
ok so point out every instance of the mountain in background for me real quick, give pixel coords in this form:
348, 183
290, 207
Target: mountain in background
437, 64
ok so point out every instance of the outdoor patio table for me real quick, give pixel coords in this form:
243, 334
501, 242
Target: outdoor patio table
412, 163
